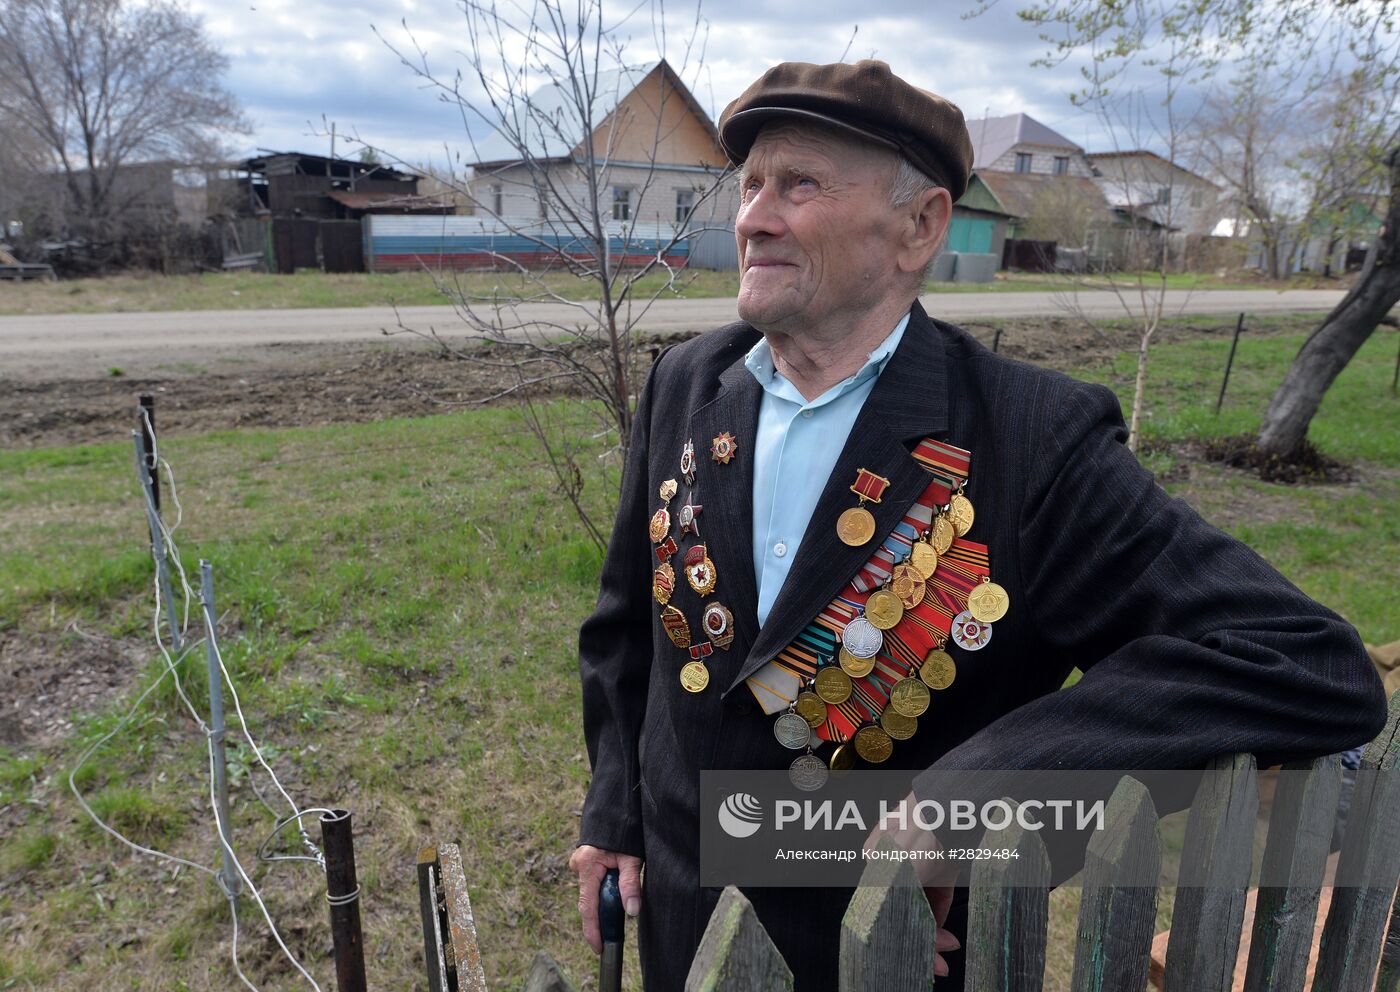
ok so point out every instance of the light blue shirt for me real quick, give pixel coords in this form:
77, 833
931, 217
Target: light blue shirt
796, 448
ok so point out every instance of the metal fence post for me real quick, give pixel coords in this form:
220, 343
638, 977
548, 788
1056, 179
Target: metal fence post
343, 894
147, 416
232, 883
157, 540
1229, 363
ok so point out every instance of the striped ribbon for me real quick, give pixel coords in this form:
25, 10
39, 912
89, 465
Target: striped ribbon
920, 630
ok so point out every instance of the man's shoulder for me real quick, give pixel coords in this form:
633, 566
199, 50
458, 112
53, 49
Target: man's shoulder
707, 353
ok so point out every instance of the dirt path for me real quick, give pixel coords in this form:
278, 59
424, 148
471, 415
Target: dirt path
308, 384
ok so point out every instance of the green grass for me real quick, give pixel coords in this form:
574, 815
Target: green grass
401, 606
253, 290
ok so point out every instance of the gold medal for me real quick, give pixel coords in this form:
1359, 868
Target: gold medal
833, 685
943, 533
856, 526
909, 697
909, 584
677, 627
695, 676
856, 668
668, 490
938, 670
988, 602
843, 758
897, 725
960, 509
873, 744
810, 707
924, 558
663, 583
883, 609
660, 525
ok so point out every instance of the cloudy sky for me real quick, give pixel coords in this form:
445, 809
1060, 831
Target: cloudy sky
295, 64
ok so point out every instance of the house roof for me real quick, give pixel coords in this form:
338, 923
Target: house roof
1143, 152
274, 163
993, 137
564, 132
395, 202
1018, 192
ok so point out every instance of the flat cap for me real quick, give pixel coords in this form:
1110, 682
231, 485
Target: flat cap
866, 98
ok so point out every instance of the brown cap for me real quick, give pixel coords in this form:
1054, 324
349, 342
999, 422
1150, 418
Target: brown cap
866, 98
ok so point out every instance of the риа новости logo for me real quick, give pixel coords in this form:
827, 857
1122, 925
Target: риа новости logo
741, 815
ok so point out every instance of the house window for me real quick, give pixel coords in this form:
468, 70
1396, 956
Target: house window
622, 203
685, 203
1061, 165
544, 203
1164, 194
497, 199
1198, 199
1023, 161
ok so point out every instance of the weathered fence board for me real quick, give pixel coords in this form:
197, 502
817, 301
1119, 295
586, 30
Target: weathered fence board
736, 954
1370, 865
1008, 910
1215, 862
1389, 980
1114, 940
888, 931
1300, 832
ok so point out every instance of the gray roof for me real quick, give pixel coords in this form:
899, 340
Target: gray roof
552, 128
993, 137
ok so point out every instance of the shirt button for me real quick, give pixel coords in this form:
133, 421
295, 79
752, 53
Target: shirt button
780, 549
807, 414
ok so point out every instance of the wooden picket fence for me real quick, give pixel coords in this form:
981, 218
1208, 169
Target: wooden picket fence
887, 935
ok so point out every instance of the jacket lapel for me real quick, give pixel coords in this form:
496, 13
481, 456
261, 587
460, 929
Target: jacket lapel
726, 493
908, 403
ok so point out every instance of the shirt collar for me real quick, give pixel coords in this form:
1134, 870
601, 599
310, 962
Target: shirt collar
759, 362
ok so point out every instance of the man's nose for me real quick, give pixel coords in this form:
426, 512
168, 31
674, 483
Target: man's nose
759, 215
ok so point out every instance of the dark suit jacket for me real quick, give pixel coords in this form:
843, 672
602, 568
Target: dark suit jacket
1192, 646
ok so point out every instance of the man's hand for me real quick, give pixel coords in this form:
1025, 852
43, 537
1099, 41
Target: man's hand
936, 876
592, 864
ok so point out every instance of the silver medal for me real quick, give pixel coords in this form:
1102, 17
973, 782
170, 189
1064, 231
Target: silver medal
969, 633
862, 638
792, 731
807, 772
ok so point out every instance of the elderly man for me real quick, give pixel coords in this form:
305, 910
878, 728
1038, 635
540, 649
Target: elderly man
837, 440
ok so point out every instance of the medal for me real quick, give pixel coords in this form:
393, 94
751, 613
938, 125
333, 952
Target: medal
807, 772
676, 626
699, 570
938, 669
856, 526
943, 533
862, 638
810, 707
843, 758
883, 609
660, 525
833, 685
909, 583
923, 557
897, 725
668, 490
960, 509
873, 744
665, 550
701, 651
723, 447
793, 732
909, 697
695, 676
719, 625
687, 514
688, 462
988, 602
663, 583
856, 668
969, 633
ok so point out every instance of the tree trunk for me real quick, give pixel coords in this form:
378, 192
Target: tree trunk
1329, 348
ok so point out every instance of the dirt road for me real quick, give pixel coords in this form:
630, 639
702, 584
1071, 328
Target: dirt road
77, 345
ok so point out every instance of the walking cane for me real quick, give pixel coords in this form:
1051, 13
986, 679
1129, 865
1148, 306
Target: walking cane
610, 918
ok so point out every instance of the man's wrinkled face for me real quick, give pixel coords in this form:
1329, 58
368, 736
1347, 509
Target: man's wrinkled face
816, 232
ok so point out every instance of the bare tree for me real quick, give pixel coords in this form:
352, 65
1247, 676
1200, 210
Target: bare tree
572, 119
97, 85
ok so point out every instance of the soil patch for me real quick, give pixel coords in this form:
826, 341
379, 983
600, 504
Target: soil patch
48, 679
1306, 465
309, 385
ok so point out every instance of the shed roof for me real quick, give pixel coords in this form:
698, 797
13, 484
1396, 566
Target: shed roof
388, 202
1018, 192
993, 137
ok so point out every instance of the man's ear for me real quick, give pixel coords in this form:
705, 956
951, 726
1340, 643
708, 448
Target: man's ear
925, 226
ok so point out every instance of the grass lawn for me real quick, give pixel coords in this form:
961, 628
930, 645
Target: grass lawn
401, 601
256, 291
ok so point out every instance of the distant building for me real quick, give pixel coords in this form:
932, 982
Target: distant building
1146, 185
1019, 143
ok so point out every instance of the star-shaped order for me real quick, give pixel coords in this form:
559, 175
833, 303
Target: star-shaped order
687, 515
722, 448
